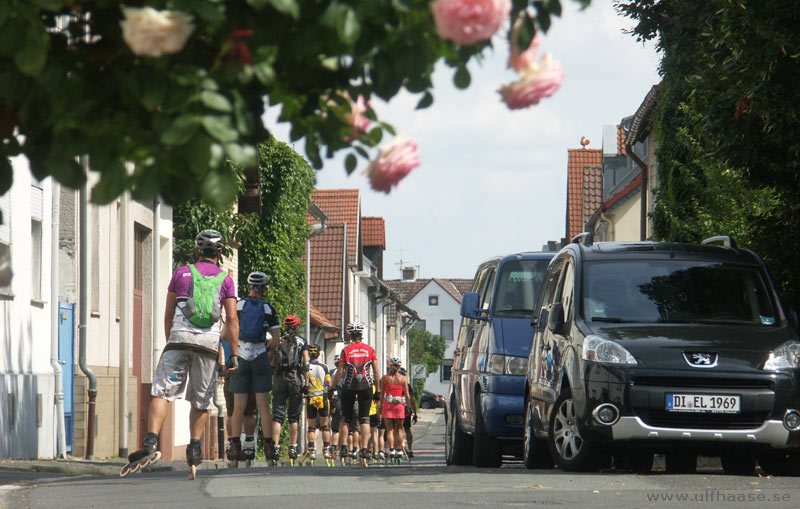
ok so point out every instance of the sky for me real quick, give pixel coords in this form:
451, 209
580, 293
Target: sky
494, 181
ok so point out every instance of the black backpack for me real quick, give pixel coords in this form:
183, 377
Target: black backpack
289, 357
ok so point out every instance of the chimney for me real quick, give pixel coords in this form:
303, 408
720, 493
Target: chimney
409, 273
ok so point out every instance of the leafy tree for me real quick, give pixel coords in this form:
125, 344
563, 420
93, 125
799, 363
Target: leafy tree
277, 243
424, 348
727, 122
71, 85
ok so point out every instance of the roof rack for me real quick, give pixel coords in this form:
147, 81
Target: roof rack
727, 241
584, 238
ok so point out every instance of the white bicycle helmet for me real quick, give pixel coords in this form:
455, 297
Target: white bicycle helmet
209, 240
355, 328
257, 278
394, 361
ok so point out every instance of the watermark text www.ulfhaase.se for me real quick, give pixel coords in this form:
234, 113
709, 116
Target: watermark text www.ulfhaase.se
719, 496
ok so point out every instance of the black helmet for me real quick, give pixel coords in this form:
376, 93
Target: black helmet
257, 278
313, 351
209, 240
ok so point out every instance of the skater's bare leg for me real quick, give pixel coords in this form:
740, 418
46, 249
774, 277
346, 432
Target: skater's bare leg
157, 414
239, 405
343, 432
262, 402
326, 433
365, 433
197, 422
409, 437
293, 431
249, 425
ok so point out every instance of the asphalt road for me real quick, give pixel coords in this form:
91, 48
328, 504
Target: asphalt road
426, 482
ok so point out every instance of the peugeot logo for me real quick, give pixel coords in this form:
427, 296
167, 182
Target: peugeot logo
701, 359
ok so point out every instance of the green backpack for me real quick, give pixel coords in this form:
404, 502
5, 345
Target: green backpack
202, 307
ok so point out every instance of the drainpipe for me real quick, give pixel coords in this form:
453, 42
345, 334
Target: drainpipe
84, 308
61, 435
158, 325
344, 280
124, 322
605, 218
643, 200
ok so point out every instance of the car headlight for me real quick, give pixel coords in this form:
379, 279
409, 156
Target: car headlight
597, 349
785, 356
506, 365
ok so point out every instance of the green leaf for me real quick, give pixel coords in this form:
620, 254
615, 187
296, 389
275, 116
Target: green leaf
220, 127
425, 102
375, 135
30, 59
216, 101
348, 27
350, 163
242, 116
289, 7
242, 155
363, 153
264, 72
180, 131
462, 78
113, 182
197, 153
258, 4
48, 5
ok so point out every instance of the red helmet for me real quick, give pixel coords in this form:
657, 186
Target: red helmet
291, 321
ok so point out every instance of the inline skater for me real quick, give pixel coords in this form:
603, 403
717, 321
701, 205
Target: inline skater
291, 383
374, 423
411, 417
393, 400
250, 411
334, 397
359, 368
318, 407
257, 318
195, 297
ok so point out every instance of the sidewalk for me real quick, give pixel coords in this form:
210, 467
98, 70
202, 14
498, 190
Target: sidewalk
79, 467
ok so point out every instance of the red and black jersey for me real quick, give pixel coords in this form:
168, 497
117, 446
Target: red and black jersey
358, 359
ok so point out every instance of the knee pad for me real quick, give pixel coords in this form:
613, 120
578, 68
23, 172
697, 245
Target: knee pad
324, 428
363, 420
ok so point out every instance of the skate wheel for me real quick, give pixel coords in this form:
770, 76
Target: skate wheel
125, 470
192, 472
144, 462
134, 467
312, 463
155, 457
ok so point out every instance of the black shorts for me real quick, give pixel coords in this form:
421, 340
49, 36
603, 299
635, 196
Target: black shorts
313, 412
364, 403
252, 376
250, 410
374, 420
407, 420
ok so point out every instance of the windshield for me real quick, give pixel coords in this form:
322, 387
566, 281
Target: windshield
518, 286
675, 291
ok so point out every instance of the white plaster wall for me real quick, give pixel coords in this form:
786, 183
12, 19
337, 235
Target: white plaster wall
627, 219
448, 309
25, 371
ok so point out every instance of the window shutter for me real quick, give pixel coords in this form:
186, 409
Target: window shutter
37, 199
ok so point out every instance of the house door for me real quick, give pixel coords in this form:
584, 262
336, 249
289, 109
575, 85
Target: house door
66, 357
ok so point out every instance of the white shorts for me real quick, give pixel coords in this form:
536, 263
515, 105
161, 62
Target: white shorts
186, 370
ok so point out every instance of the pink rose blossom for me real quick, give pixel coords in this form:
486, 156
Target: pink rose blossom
469, 21
359, 123
394, 162
535, 82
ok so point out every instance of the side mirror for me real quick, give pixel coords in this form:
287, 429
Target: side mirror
555, 318
470, 306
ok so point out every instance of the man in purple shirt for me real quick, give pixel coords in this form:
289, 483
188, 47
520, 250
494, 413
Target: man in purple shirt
189, 359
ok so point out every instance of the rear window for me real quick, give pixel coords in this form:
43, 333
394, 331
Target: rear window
675, 291
518, 286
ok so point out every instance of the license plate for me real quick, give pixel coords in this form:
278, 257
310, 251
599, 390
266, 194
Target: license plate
711, 403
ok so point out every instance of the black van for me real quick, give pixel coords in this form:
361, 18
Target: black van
483, 410
650, 347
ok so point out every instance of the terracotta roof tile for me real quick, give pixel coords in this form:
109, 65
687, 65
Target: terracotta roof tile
327, 273
342, 206
577, 160
319, 320
373, 231
592, 191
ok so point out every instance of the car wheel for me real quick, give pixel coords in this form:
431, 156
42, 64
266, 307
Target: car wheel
458, 445
535, 452
486, 452
738, 463
681, 462
780, 463
571, 451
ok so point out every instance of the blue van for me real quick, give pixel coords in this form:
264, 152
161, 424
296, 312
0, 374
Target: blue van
484, 408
